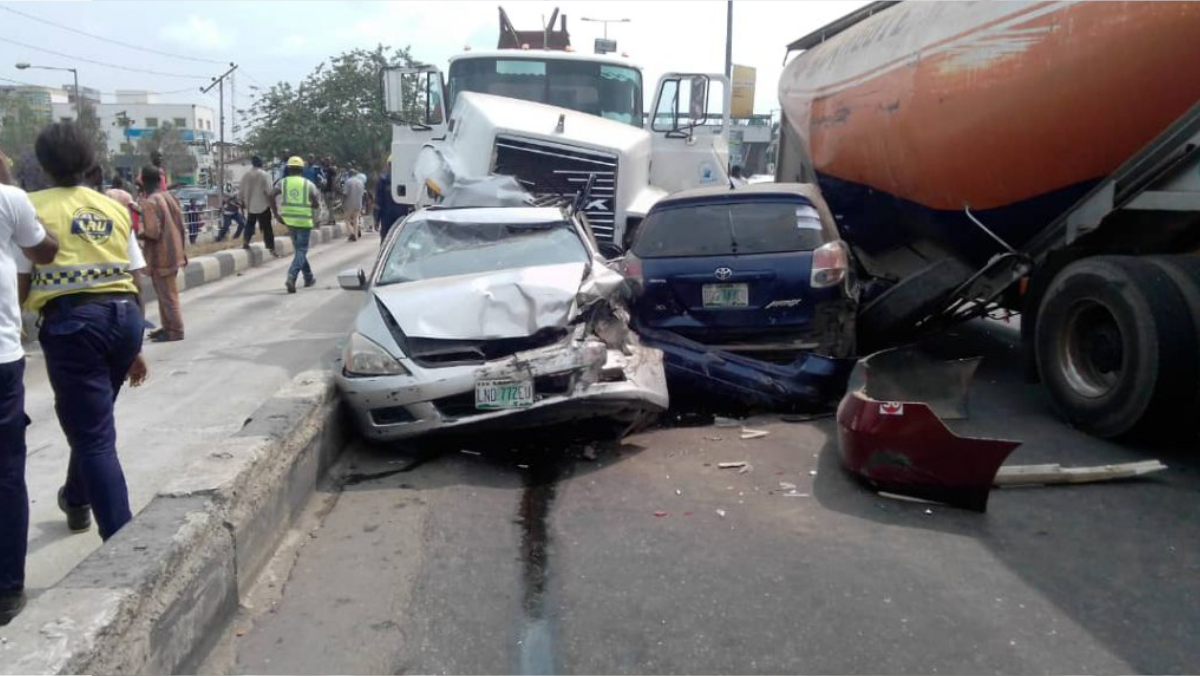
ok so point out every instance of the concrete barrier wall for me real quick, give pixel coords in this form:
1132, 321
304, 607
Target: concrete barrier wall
152, 598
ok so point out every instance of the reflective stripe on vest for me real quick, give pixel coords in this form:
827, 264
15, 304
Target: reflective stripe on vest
296, 205
93, 233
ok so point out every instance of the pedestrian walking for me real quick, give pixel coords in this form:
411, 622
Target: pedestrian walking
352, 203
387, 211
19, 229
298, 204
231, 212
254, 192
156, 161
91, 324
191, 214
163, 234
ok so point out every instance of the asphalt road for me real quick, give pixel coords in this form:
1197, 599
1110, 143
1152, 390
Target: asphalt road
651, 559
246, 337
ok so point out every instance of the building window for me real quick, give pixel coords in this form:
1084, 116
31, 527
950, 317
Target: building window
152, 123
180, 122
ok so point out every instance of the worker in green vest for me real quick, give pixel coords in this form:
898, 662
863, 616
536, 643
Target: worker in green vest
294, 202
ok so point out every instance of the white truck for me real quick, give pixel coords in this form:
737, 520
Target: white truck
552, 119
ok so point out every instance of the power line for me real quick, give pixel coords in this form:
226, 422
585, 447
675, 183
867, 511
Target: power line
31, 84
101, 63
104, 39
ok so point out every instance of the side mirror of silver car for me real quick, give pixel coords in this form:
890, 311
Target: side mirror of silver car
352, 279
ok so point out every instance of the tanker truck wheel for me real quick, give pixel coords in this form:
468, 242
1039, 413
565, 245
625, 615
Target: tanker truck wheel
890, 318
1115, 345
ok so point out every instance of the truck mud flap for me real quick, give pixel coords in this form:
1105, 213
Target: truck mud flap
808, 381
891, 433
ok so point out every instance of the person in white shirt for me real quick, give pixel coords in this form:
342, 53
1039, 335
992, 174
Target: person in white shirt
20, 232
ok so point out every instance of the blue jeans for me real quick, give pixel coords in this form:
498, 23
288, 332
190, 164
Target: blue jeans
226, 219
300, 237
14, 499
89, 350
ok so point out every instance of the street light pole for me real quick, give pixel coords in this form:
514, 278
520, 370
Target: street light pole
605, 22
74, 74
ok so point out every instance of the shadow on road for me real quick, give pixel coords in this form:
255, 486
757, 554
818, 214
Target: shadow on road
1121, 559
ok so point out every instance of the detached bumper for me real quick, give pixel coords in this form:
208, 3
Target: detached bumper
899, 444
810, 379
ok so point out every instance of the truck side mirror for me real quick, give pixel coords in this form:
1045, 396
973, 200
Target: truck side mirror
698, 101
413, 96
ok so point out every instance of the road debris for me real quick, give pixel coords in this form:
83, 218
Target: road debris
721, 513
787, 486
746, 469
1045, 475
660, 514
748, 433
678, 492
589, 452
725, 422
795, 494
470, 452
732, 465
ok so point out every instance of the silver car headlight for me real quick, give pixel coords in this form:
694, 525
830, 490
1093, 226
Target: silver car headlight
364, 357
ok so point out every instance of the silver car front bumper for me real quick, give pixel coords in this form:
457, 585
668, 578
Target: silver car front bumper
574, 380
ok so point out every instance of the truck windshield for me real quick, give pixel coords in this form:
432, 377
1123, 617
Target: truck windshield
427, 249
608, 91
724, 229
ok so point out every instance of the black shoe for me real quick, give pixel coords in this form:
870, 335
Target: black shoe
309, 282
79, 519
290, 284
11, 603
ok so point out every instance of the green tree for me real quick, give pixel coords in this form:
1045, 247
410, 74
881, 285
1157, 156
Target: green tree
336, 111
89, 121
177, 156
19, 127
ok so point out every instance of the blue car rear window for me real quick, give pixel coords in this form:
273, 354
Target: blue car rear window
731, 228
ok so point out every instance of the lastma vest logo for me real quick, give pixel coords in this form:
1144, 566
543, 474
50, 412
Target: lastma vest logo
92, 224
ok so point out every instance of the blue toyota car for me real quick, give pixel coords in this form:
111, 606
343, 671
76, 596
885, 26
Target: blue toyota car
748, 291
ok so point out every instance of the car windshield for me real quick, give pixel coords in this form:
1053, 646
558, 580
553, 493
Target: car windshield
609, 91
722, 229
428, 249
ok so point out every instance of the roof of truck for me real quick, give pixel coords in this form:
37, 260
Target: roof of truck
837, 26
545, 55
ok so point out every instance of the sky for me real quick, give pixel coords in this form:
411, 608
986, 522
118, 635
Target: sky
186, 42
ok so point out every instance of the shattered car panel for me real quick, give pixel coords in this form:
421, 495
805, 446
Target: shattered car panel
462, 298
891, 432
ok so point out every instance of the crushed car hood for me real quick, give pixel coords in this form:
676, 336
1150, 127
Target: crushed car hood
487, 306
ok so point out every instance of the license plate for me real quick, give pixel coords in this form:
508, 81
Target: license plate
493, 395
726, 295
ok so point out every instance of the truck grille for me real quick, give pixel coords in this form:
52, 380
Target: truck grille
551, 169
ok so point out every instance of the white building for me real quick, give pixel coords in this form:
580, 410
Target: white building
137, 113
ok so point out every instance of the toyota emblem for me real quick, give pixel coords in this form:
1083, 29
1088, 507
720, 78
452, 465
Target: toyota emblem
723, 273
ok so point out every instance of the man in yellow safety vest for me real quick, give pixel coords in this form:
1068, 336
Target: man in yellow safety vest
298, 200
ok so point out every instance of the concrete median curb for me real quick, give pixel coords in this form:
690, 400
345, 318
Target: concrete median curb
152, 598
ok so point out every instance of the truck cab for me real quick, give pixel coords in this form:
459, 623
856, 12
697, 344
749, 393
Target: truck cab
552, 119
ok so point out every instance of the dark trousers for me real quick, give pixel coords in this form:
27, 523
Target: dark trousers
14, 499
300, 238
390, 217
226, 219
89, 349
264, 220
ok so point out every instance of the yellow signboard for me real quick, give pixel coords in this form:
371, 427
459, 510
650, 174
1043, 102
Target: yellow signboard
743, 91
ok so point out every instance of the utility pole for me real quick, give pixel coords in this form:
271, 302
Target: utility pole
729, 39
219, 83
